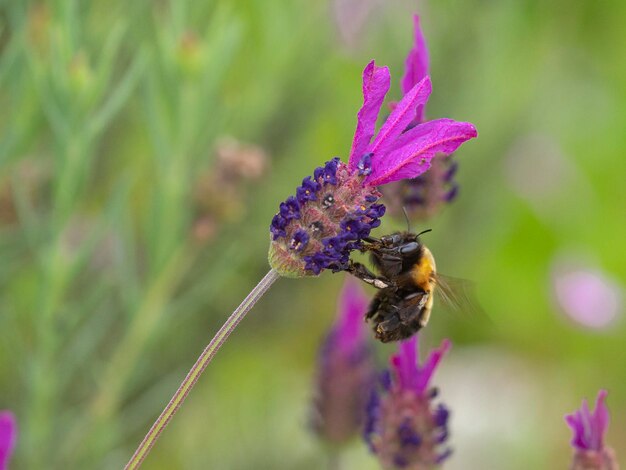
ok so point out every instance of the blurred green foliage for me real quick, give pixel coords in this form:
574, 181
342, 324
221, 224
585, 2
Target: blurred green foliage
112, 111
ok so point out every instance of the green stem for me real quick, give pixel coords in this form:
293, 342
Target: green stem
194, 374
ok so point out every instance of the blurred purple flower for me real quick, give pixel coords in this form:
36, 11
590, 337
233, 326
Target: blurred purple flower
404, 428
345, 372
586, 295
8, 432
337, 206
424, 194
590, 451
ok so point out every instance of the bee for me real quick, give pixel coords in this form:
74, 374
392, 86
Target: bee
407, 281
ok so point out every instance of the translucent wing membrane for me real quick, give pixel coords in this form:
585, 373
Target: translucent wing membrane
459, 295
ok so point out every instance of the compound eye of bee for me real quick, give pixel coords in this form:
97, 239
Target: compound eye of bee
391, 240
409, 248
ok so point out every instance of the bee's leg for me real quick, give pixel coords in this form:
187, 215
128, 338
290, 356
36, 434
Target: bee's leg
361, 271
412, 308
373, 308
391, 324
425, 312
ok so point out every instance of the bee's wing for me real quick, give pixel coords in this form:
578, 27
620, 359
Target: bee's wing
459, 295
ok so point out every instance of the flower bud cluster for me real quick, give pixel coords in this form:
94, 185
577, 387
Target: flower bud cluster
404, 428
328, 217
423, 197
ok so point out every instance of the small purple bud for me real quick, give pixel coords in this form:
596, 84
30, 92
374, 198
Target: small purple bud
451, 194
278, 227
308, 190
290, 209
299, 240
364, 166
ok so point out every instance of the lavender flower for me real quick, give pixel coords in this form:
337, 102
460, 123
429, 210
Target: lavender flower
345, 370
590, 451
8, 431
423, 195
337, 207
404, 428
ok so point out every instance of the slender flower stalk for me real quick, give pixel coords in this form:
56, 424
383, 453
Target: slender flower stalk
404, 428
335, 208
590, 450
194, 374
345, 373
8, 435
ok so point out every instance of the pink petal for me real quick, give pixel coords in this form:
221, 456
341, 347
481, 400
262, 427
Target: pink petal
428, 369
376, 82
405, 362
401, 117
416, 65
352, 305
600, 420
7, 437
421, 144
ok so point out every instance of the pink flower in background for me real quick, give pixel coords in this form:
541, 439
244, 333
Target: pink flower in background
336, 208
586, 295
8, 432
404, 428
590, 451
423, 195
345, 373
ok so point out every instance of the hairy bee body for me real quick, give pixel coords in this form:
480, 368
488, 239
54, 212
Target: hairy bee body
406, 282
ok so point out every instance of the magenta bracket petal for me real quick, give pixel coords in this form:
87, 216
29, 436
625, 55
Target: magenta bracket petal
376, 83
352, 305
8, 430
416, 65
401, 117
423, 143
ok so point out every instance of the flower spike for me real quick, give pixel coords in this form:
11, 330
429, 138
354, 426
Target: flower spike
345, 372
336, 207
405, 429
590, 451
421, 196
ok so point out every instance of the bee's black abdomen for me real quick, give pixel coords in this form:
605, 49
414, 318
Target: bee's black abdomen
395, 314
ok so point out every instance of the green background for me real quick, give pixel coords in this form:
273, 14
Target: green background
111, 111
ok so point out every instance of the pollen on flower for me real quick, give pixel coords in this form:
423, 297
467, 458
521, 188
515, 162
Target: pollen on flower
316, 230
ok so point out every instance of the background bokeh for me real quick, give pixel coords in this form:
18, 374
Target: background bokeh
145, 145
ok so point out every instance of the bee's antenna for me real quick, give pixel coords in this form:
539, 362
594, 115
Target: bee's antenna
425, 231
406, 217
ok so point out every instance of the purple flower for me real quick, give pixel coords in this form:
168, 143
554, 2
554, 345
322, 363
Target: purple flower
590, 451
345, 370
340, 197
585, 294
404, 428
423, 195
8, 432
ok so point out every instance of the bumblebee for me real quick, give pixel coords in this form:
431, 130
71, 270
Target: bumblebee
407, 281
